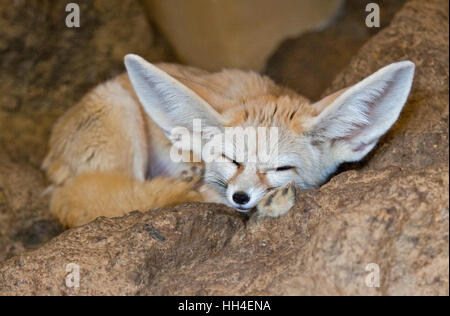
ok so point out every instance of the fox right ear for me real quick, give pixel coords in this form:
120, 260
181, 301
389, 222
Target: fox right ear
353, 120
168, 102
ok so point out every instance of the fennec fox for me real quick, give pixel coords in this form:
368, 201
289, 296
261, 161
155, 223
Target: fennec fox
114, 151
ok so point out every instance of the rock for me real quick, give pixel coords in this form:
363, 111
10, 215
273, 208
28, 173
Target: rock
123, 255
396, 219
25, 222
420, 138
310, 62
390, 212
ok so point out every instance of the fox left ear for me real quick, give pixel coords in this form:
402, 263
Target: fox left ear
353, 120
169, 103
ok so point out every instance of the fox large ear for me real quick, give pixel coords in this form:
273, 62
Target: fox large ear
353, 120
168, 102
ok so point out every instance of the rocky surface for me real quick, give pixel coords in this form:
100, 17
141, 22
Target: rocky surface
420, 34
396, 219
309, 63
25, 222
392, 210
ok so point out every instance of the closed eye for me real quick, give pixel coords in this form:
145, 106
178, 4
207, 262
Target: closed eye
284, 168
232, 160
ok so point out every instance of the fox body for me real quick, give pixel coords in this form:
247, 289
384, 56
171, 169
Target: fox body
112, 152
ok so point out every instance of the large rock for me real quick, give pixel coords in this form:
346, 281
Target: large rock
420, 33
25, 222
396, 219
310, 62
391, 211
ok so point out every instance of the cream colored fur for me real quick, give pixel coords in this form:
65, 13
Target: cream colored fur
109, 154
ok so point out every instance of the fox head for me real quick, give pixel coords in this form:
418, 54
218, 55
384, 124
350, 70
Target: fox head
311, 141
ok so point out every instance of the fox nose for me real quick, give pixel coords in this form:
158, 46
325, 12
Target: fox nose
241, 198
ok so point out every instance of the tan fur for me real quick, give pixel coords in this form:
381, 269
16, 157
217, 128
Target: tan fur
94, 153
108, 157
285, 111
95, 194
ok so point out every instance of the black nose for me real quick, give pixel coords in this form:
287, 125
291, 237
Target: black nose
241, 198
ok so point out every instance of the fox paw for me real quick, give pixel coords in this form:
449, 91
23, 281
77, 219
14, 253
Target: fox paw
193, 174
278, 202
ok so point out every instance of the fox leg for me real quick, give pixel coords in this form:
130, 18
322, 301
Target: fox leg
91, 195
277, 202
